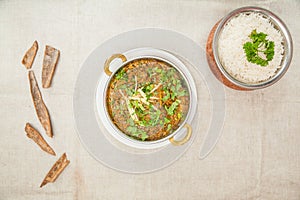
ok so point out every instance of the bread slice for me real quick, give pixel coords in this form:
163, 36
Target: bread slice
39, 105
33, 134
30, 55
51, 57
56, 170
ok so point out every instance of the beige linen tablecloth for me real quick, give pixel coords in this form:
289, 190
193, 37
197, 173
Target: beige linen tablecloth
257, 157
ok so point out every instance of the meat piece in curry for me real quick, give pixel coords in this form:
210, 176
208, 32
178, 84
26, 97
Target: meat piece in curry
147, 99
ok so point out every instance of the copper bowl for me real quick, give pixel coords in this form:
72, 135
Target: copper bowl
218, 69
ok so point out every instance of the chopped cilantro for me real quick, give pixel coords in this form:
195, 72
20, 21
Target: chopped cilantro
181, 93
167, 96
169, 127
154, 118
172, 108
130, 121
120, 74
166, 120
158, 70
259, 44
138, 133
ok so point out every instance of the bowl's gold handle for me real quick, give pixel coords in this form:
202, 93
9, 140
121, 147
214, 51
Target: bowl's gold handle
185, 139
108, 61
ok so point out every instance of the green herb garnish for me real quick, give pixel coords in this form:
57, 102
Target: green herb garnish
120, 74
154, 118
166, 120
173, 107
158, 70
258, 45
138, 133
165, 98
169, 127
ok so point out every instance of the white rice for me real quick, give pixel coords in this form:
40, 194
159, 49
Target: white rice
231, 53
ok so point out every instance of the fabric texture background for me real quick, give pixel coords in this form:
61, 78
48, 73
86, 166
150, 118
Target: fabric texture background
257, 156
